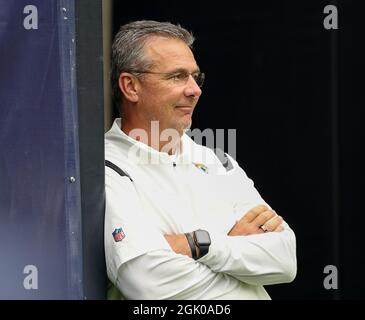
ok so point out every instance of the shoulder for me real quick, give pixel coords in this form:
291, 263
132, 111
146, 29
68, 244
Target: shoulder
116, 154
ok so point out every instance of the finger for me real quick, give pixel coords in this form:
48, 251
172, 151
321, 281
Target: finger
274, 223
260, 230
264, 217
279, 229
254, 212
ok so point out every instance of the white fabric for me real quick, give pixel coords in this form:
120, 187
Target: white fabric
168, 199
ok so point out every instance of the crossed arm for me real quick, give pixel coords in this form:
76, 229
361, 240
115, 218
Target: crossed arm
246, 254
250, 223
247, 248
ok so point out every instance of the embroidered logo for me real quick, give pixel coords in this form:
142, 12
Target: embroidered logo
201, 167
118, 234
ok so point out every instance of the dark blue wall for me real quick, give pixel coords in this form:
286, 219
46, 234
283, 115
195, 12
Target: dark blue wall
40, 211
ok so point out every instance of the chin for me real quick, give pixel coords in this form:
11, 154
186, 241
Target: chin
181, 126
186, 126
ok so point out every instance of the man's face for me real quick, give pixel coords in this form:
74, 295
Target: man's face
165, 97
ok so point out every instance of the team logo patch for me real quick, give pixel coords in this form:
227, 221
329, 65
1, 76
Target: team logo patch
201, 167
118, 234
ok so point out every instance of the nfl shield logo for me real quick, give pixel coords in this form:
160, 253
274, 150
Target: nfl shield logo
118, 234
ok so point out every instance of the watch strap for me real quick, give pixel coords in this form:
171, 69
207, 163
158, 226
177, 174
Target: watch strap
191, 243
203, 249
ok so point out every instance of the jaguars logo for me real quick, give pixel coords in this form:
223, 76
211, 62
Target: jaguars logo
202, 167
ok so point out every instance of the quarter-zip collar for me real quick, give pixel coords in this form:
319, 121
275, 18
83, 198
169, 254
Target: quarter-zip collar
144, 154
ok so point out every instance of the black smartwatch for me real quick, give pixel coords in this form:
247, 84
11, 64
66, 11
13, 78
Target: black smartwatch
202, 241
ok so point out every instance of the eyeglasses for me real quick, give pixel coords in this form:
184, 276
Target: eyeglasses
179, 77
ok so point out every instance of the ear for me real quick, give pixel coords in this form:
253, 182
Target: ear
128, 84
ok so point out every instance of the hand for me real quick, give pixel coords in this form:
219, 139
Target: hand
252, 221
179, 244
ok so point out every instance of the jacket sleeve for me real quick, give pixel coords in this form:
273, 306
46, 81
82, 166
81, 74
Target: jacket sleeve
161, 274
126, 226
261, 259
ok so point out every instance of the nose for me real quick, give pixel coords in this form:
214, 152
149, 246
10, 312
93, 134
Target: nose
192, 89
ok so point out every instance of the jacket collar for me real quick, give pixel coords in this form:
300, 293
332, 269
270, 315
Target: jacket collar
142, 153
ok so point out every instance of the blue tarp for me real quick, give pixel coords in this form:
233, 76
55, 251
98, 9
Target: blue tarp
40, 230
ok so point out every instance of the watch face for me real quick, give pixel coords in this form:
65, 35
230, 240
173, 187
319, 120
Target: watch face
202, 237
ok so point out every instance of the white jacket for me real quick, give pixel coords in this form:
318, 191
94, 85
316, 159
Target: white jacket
173, 195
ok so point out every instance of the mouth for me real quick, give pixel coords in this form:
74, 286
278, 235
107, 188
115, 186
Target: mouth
185, 109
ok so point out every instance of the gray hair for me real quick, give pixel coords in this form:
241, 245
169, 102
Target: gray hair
128, 44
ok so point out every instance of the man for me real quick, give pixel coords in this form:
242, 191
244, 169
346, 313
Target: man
182, 222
